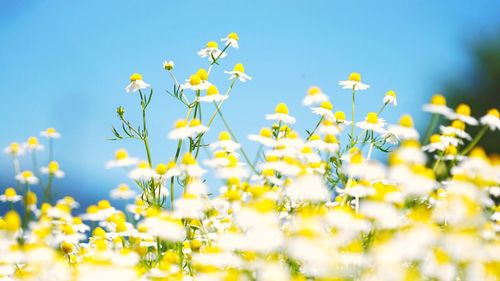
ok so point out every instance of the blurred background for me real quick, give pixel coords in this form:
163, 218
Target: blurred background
65, 64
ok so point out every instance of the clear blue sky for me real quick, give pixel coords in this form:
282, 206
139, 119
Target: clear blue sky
65, 64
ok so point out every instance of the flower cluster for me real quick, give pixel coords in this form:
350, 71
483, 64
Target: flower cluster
313, 206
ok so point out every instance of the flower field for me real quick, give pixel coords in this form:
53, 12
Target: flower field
314, 205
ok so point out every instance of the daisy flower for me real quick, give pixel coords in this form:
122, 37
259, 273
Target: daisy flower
314, 96
225, 142
197, 81
341, 119
281, 114
212, 95
372, 122
390, 98
405, 129
211, 51
32, 144
436, 143
457, 128
184, 130
136, 83
14, 149
354, 82
324, 110
142, 172
122, 191
27, 177
121, 160
437, 105
462, 113
264, 137
167, 171
10, 195
491, 119
50, 133
329, 127
168, 65
190, 167
52, 169
331, 143
238, 72
231, 40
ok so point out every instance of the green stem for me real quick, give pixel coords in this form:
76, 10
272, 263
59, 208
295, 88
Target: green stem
48, 191
476, 139
353, 115
430, 128
316, 127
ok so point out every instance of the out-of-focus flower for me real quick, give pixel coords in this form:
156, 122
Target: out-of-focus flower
438, 106
53, 170
10, 195
122, 159
27, 177
50, 133
212, 95
491, 119
281, 114
314, 96
390, 98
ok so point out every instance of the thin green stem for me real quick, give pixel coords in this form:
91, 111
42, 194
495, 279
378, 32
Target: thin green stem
316, 127
430, 128
476, 139
353, 115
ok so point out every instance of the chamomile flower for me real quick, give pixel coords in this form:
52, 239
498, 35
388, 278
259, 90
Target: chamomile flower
457, 128
314, 96
224, 142
211, 51
14, 149
197, 81
27, 177
329, 127
122, 191
168, 65
404, 130
264, 137
231, 40
53, 170
212, 95
436, 143
166, 171
10, 195
373, 123
324, 110
281, 114
183, 130
189, 167
390, 98
122, 159
136, 83
238, 72
437, 106
354, 82
50, 133
142, 172
341, 119
462, 113
491, 119
331, 143
32, 144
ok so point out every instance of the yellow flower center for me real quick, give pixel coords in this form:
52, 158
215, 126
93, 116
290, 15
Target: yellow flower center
10, 192
406, 121
212, 90
51, 131
281, 108
194, 80
92, 209
171, 164
266, 132
372, 118
354, 76
391, 93
313, 91
181, 123
234, 36
326, 105
478, 152
27, 174
123, 187
31, 198
12, 221
15, 147
121, 154
451, 150
239, 67
194, 123
435, 138
307, 150
438, 99
161, 169
494, 112
457, 124
224, 136
357, 158
314, 137
340, 115
134, 77
32, 141
53, 167
212, 44
103, 204
463, 109
331, 139
202, 73
188, 159
143, 165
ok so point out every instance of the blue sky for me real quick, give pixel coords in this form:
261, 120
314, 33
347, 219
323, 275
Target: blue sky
65, 64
